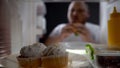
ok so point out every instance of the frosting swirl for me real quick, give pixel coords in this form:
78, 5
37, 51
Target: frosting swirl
35, 50
55, 49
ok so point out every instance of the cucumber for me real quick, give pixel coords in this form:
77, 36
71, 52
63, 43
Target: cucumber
90, 51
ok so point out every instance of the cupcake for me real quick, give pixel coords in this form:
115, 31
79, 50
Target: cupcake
30, 56
54, 56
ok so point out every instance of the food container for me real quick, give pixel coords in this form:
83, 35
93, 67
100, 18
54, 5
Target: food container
106, 58
103, 57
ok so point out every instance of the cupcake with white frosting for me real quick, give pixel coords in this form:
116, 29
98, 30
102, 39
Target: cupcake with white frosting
30, 56
55, 56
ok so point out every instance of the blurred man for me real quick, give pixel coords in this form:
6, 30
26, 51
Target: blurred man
77, 29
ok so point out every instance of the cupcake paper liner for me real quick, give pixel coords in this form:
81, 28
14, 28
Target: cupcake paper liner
29, 62
55, 61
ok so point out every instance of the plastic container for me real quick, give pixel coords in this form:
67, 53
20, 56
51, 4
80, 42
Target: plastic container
100, 56
107, 58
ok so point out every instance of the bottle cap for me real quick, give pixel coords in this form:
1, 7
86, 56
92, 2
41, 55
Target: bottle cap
115, 14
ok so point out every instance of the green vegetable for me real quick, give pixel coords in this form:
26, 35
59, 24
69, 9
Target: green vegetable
90, 51
76, 34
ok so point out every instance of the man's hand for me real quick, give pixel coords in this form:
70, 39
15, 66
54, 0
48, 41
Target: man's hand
77, 28
67, 30
84, 32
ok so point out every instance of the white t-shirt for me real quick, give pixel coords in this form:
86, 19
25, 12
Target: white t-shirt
94, 30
